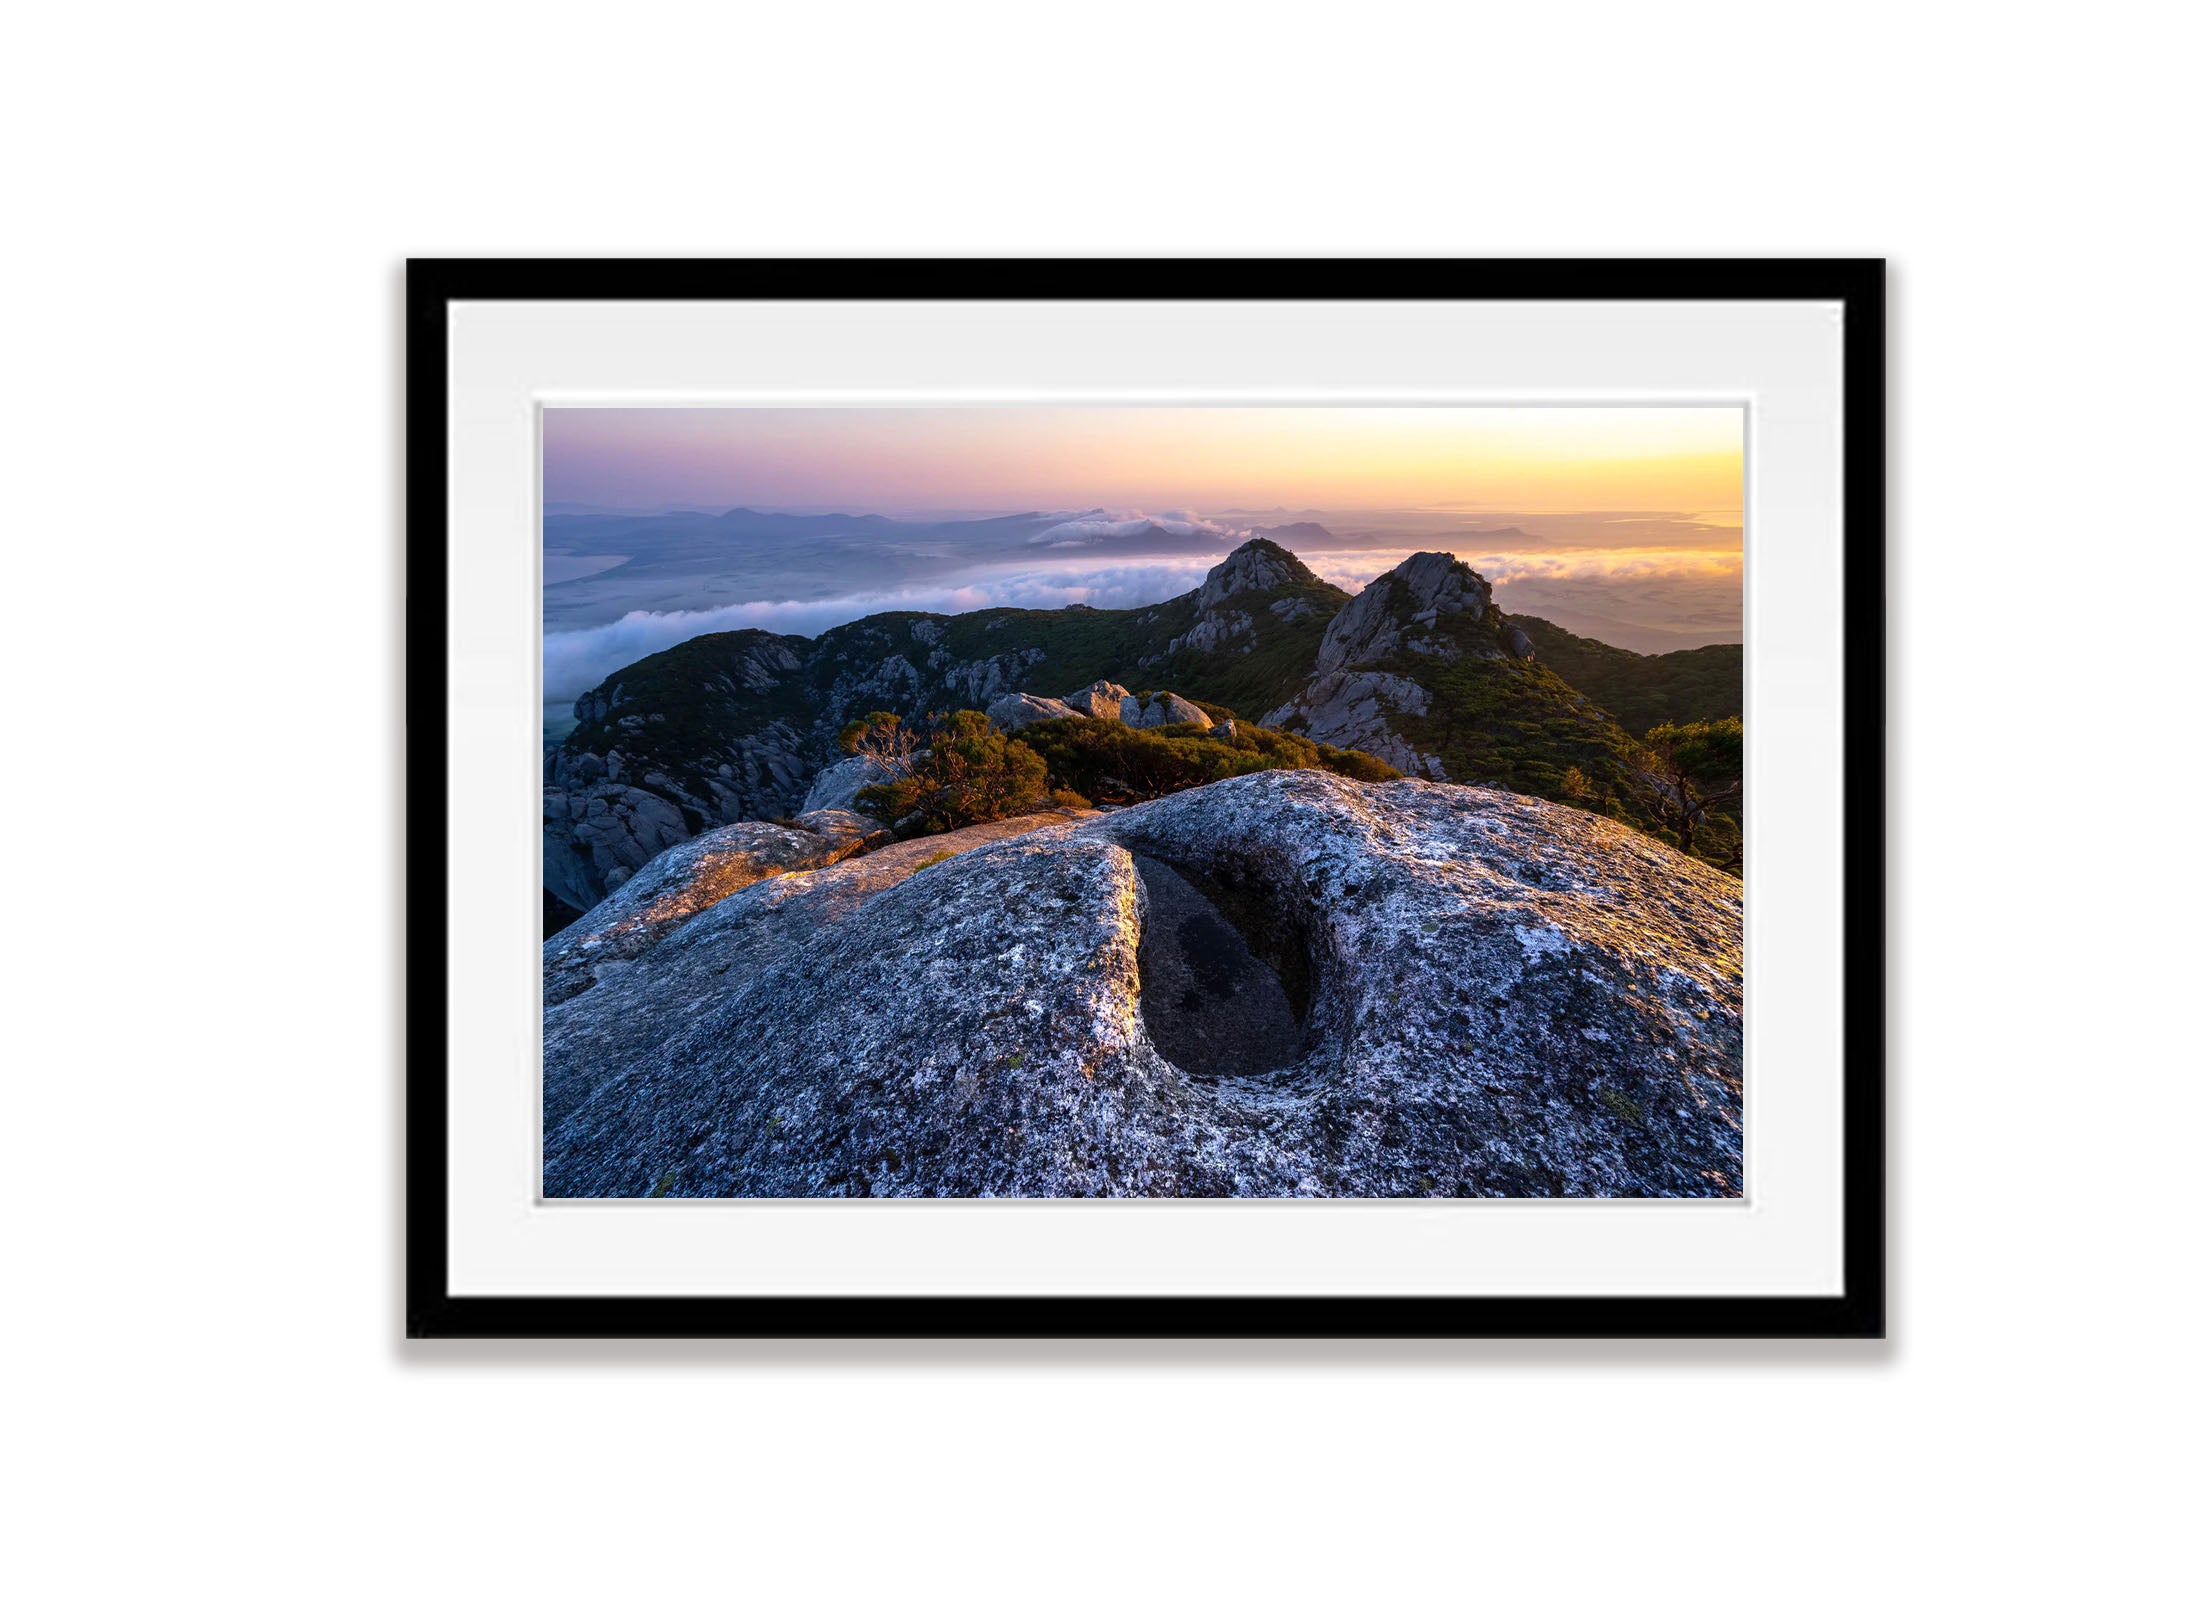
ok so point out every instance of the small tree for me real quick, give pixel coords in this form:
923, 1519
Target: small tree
882, 736
1692, 771
969, 773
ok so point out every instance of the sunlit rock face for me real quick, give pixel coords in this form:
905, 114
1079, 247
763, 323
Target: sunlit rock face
1104, 700
1501, 997
1108, 702
1013, 711
855, 830
678, 883
1167, 710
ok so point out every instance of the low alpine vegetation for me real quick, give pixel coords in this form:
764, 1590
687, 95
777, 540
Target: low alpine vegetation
1694, 773
883, 737
969, 771
1123, 765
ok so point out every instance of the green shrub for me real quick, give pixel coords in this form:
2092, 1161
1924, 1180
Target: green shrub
1703, 684
969, 773
1101, 757
1694, 774
882, 736
1357, 764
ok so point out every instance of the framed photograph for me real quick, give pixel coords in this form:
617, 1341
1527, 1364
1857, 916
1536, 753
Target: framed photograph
1120, 798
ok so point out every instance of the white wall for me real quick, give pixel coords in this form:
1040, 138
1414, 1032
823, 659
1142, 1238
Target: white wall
208, 206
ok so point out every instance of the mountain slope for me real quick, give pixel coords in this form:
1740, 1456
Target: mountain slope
729, 727
1246, 638
1699, 685
1420, 669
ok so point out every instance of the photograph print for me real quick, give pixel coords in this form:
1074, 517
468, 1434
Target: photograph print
1171, 802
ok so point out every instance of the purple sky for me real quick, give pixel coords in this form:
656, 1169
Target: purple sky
1552, 458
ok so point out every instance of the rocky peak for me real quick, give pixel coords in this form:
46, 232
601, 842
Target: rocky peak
1423, 588
1442, 583
1254, 565
1358, 686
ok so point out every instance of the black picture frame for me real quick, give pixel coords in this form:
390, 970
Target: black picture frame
1859, 1311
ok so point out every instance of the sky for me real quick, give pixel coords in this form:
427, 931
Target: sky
1666, 459
1619, 522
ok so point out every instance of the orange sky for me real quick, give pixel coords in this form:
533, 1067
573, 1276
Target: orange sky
1209, 459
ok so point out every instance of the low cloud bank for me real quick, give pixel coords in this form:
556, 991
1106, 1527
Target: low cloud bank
1352, 570
1648, 600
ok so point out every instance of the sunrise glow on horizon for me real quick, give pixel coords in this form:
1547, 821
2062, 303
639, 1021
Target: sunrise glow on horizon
1672, 460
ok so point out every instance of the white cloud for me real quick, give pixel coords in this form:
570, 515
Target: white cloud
1639, 599
577, 661
1353, 569
1102, 526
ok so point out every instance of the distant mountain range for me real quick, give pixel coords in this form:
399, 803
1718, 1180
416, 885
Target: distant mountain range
1318, 536
1421, 669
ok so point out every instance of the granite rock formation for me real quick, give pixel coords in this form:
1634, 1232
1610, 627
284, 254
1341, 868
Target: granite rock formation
1502, 996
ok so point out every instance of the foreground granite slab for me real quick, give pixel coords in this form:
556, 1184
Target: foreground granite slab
1502, 997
